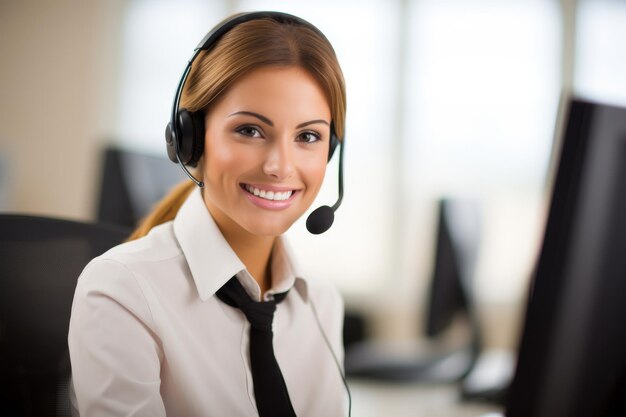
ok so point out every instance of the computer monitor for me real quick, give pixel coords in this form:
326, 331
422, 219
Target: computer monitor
572, 356
131, 183
449, 302
456, 255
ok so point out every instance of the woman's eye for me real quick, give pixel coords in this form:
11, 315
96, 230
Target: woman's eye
308, 137
250, 131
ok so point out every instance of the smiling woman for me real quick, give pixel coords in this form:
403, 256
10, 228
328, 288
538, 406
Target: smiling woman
203, 312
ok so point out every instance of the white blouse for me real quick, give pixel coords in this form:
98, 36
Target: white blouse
148, 337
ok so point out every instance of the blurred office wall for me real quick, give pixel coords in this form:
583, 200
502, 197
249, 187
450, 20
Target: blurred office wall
58, 70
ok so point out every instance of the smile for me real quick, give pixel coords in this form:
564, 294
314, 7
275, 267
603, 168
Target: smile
268, 194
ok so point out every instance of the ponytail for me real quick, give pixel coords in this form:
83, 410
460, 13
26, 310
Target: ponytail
165, 210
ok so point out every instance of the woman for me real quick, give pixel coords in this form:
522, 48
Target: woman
170, 322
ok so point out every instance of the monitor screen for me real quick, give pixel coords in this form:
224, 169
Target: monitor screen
442, 358
456, 254
572, 357
132, 182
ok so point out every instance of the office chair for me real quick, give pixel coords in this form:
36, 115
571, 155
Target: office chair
40, 261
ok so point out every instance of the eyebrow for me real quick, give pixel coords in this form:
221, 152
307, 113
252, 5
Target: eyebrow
269, 122
312, 122
258, 116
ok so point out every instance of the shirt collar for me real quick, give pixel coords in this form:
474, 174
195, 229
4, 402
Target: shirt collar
213, 262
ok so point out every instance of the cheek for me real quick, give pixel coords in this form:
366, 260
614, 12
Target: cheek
223, 159
315, 171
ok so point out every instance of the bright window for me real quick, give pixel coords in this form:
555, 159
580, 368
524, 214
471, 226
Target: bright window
601, 52
481, 95
159, 37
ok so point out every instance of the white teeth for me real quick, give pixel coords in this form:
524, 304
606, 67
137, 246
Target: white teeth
268, 195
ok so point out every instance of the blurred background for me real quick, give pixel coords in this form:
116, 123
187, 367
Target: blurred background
454, 100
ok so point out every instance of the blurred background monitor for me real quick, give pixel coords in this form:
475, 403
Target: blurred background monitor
572, 358
131, 183
456, 253
446, 355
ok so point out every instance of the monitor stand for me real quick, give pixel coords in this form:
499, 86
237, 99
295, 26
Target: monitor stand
490, 377
386, 362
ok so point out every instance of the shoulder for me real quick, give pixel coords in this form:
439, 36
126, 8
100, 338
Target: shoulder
322, 291
314, 289
328, 309
325, 299
120, 272
159, 244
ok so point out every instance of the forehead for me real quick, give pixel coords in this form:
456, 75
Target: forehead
279, 92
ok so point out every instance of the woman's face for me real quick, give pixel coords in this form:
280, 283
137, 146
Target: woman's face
266, 147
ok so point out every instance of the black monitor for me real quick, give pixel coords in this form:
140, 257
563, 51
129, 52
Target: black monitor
456, 255
131, 183
449, 303
572, 357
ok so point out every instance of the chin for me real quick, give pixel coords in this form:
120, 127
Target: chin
268, 227
268, 230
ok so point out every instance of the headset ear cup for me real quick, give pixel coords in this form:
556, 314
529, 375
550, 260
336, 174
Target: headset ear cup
334, 141
191, 141
198, 141
169, 143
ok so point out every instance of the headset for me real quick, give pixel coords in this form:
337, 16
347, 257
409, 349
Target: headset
184, 134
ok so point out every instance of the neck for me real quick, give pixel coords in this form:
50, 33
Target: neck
254, 251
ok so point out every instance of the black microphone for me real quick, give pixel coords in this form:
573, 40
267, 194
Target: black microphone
323, 217
320, 220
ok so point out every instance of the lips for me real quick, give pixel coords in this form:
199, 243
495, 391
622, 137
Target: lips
269, 197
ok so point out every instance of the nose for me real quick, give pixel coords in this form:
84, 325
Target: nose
279, 161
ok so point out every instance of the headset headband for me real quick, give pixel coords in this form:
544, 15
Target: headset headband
216, 33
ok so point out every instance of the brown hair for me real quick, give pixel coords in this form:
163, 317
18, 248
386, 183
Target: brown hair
248, 46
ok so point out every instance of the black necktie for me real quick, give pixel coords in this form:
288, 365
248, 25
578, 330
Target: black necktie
272, 397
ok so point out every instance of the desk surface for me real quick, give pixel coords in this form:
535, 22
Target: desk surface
375, 399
